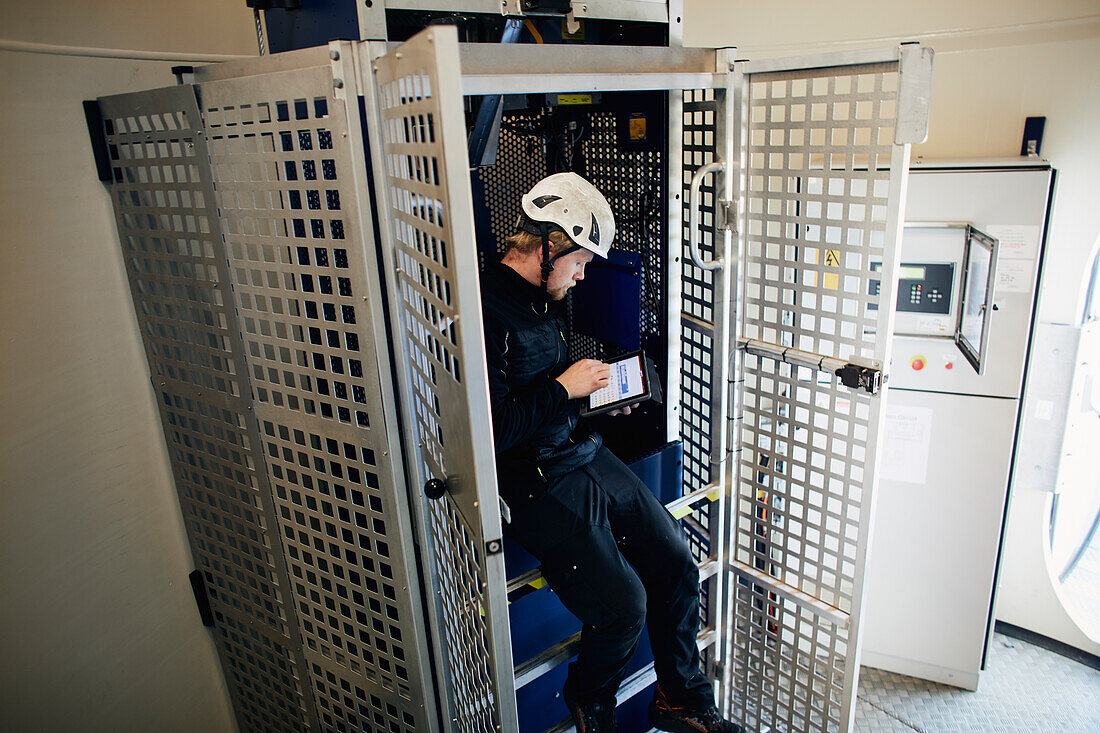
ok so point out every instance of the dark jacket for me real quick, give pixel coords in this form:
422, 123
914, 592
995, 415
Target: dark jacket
535, 424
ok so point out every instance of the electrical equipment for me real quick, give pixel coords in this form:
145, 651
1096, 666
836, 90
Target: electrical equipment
951, 429
931, 300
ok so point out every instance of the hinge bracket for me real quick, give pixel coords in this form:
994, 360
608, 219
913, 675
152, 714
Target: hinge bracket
725, 216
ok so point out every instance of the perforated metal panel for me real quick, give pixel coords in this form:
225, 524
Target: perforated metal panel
520, 164
693, 316
301, 257
171, 241
632, 180
822, 183
430, 246
699, 120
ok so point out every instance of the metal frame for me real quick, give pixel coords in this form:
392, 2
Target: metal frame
781, 214
644, 10
977, 358
468, 465
426, 242
256, 142
496, 70
493, 69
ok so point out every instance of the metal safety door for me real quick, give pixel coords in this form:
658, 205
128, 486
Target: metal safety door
425, 210
245, 225
820, 174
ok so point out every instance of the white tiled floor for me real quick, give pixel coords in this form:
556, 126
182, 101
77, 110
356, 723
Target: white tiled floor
1023, 688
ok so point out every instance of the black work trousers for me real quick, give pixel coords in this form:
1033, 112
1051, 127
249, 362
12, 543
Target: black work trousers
617, 560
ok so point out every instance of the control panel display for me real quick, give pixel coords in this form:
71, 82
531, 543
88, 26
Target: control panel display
922, 287
925, 288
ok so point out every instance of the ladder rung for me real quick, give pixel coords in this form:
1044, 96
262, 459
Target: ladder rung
680, 507
630, 687
707, 636
559, 653
531, 577
697, 323
708, 568
546, 660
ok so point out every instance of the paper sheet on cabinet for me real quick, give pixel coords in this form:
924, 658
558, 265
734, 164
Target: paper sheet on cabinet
1013, 276
1017, 241
907, 440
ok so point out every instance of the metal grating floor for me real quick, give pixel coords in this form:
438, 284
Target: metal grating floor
1023, 688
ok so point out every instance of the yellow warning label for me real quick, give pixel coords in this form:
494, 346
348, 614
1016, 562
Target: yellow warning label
683, 511
831, 280
637, 127
574, 99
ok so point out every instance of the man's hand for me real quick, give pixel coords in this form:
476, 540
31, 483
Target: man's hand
624, 410
584, 377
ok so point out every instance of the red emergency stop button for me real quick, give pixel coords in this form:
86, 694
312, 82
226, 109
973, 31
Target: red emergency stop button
917, 362
949, 365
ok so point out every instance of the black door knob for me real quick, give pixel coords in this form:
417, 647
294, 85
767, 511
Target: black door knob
435, 488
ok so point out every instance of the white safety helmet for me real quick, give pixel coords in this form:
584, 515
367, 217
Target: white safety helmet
572, 204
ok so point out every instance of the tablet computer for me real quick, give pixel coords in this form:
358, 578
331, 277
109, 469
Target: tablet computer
630, 383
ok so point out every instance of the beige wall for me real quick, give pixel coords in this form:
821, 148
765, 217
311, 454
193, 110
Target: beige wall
99, 627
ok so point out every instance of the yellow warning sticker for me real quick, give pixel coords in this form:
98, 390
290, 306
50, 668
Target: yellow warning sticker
637, 126
831, 280
683, 511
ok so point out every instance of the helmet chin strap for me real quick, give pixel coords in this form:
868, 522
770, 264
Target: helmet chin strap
542, 229
547, 263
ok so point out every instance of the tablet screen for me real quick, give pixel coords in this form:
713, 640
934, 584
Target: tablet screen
627, 381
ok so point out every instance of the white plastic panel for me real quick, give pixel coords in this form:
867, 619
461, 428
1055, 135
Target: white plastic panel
822, 183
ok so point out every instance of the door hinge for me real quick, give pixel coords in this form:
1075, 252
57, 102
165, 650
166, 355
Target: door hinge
725, 216
202, 599
93, 116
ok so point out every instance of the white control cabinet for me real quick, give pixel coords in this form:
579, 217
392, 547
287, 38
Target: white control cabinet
951, 431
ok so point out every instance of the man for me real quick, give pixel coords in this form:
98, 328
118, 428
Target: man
608, 548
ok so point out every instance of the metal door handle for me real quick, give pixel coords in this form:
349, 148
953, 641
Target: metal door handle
693, 216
